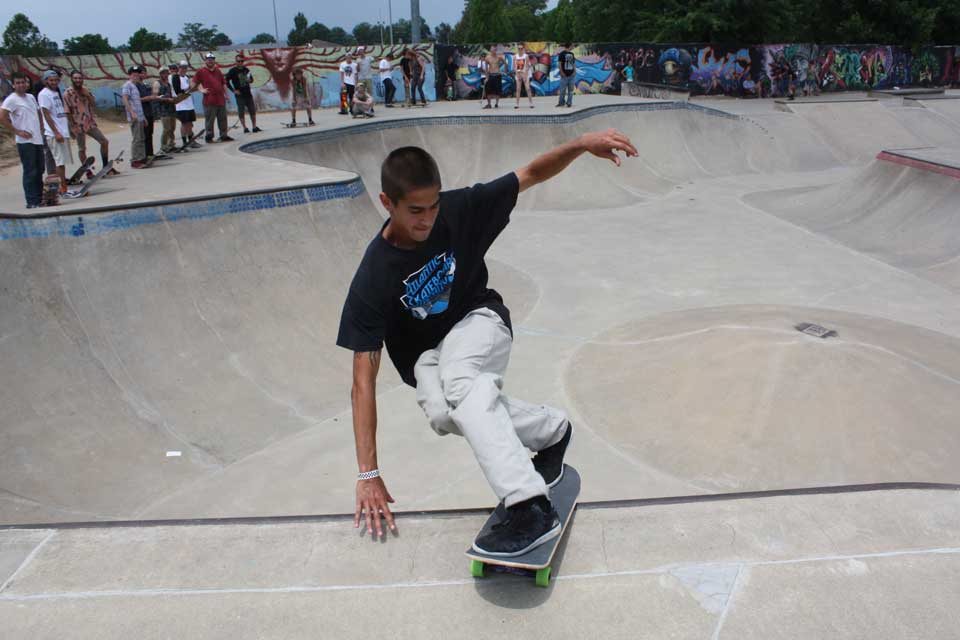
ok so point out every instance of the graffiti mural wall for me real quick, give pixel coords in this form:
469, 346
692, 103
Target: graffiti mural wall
702, 69
272, 70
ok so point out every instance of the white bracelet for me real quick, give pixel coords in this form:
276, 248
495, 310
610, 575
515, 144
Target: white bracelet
368, 475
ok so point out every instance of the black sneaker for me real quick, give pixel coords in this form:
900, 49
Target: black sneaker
528, 525
549, 462
226, 139
257, 129
245, 130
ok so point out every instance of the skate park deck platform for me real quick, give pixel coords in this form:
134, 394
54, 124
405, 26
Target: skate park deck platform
741, 478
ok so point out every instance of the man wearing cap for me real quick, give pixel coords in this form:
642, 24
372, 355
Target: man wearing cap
56, 125
214, 97
238, 79
185, 112
138, 122
83, 120
163, 110
21, 114
147, 101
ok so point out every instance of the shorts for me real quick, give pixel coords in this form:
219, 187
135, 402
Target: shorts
94, 133
494, 84
60, 151
300, 102
187, 116
245, 104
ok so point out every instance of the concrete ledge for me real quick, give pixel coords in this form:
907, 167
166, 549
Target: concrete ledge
785, 104
937, 160
917, 91
654, 90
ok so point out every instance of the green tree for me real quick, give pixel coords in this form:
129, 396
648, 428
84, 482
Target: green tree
558, 23
366, 33
403, 30
87, 44
22, 37
144, 40
263, 38
443, 32
339, 35
199, 38
485, 21
302, 34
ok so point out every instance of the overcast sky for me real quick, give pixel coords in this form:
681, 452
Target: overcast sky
239, 19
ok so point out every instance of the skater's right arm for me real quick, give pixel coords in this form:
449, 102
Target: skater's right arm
372, 496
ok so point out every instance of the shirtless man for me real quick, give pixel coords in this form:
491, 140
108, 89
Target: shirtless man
494, 76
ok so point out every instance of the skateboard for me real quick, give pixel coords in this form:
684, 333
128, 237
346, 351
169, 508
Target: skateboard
535, 562
292, 125
78, 174
50, 197
344, 106
185, 147
85, 189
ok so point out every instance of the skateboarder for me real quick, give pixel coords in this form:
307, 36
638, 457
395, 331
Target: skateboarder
81, 108
421, 289
20, 113
300, 98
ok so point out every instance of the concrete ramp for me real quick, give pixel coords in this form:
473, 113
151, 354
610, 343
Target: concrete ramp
900, 208
947, 106
855, 130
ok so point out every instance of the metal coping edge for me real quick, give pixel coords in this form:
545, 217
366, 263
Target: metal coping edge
451, 513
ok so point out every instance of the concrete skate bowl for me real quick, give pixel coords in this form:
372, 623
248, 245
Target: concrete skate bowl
905, 216
678, 143
204, 329
736, 397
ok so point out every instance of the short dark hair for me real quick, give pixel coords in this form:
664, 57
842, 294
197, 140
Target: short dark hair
75, 71
407, 169
19, 75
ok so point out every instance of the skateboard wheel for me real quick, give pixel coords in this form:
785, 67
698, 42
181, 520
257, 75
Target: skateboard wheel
543, 577
476, 568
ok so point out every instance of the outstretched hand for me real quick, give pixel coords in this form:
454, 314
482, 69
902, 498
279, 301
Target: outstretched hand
603, 144
372, 503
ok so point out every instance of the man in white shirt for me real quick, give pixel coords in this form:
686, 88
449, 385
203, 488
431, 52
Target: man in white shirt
348, 77
56, 125
185, 112
20, 113
386, 79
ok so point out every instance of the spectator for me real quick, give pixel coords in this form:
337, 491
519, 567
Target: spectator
494, 84
362, 102
418, 74
238, 79
138, 122
348, 77
567, 63
164, 111
301, 97
146, 101
449, 90
81, 109
387, 80
56, 125
365, 69
185, 111
214, 98
405, 63
21, 114
522, 68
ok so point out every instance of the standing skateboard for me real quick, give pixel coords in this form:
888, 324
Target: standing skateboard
535, 562
85, 189
75, 178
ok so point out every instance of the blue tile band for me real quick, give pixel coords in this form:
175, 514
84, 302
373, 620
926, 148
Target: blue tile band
99, 223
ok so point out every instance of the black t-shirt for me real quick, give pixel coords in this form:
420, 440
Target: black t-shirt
405, 66
147, 106
410, 299
238, 79
567, 63
452, 70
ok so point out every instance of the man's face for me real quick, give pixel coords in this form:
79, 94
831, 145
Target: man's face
77, 80
20, 85
238, 62
184, 69
349, 59
211, 63
164, 76
53, 82
413, 217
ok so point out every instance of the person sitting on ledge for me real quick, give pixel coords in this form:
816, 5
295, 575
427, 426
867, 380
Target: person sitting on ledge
362, 103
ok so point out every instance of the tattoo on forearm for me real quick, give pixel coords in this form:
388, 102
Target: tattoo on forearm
374, 356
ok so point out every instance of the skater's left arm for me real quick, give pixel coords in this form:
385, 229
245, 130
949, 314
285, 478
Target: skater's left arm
602, 144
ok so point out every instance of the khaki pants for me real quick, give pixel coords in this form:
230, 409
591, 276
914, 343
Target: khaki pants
138, 141
459, 388
168, 138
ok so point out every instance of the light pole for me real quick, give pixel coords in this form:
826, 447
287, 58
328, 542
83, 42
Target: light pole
276, 25
390, 18
415, 21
